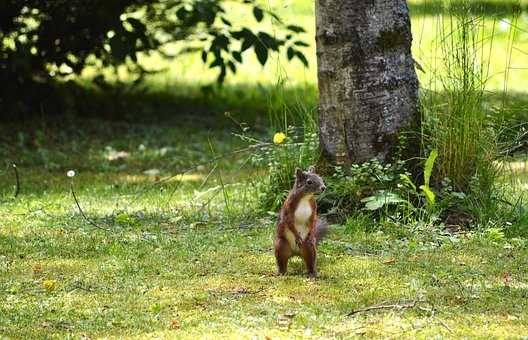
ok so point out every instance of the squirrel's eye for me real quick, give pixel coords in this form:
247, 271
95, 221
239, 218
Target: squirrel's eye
309, 181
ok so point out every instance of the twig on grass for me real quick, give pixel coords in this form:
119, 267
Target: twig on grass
92, 223
376, 307
445, 325
207, 177
17, 178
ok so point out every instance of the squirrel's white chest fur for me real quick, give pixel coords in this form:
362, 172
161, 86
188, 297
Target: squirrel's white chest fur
302, 215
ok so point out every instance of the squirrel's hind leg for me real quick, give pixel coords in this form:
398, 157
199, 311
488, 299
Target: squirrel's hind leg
283, 253
309, 254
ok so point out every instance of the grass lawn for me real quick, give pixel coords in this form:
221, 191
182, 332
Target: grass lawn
178, 262
188, 254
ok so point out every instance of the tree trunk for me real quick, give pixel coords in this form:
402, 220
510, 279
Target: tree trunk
368, 87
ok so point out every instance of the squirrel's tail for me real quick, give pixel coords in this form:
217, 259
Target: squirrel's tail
321, 229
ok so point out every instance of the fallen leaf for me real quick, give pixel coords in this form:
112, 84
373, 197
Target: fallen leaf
392, 260
506, 278
37, 269
175, 324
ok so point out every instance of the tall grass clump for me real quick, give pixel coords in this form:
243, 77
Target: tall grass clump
455, 122
299, 149
292, 115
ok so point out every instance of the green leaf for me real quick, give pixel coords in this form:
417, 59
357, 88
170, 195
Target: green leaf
290, 52
222, 75
225, 21
380, 199
221, 42
246, 44
429, 163
300, 43
246, 36
258, 13
237, 56
276, 17
139, 27
217, 62
302, 58
295, 28
407, 180
262, 53
181, 13
429, 194
268, 41
232, 66
119, 47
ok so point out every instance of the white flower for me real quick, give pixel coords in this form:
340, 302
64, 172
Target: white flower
70, 173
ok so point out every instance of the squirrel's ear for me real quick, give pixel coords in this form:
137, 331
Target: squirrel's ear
311, 169
298, 174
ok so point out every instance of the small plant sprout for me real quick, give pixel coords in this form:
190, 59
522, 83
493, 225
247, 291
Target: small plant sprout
279, 138
71, 173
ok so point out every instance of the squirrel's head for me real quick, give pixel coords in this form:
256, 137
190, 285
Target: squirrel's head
308, 182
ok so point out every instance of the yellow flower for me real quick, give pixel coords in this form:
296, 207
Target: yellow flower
279, 138
50, 285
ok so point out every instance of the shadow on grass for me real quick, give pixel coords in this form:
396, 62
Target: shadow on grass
252, 103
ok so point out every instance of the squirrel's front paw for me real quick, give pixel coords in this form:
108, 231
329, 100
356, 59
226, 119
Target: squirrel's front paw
299, 241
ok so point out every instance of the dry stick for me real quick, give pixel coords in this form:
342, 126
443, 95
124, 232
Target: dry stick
445, 325
395, 306
92, 223
207, 177
17, 177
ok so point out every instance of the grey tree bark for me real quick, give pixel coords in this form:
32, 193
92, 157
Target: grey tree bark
368, 86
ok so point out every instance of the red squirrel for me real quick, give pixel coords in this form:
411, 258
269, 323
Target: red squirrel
298, 229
